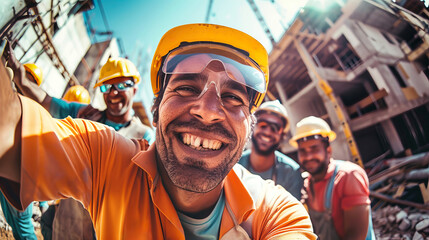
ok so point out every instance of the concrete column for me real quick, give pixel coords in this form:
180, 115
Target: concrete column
282, 93
392, 136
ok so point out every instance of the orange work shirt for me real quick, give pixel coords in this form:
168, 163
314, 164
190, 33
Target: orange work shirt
117, 180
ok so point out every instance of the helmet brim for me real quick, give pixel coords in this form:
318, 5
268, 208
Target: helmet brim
330, 135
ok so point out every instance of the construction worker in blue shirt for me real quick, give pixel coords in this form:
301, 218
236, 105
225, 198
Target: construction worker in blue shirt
263, 159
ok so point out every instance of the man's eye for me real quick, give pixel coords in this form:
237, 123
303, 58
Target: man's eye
232, 99
187, 91
316, 149
274, 128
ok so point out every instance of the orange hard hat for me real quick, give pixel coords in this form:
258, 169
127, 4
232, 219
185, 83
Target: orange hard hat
209, 33
117, 67
77, 93
35, 71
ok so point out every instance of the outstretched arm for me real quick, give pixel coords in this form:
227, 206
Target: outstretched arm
10, 117
26, 87
356, 222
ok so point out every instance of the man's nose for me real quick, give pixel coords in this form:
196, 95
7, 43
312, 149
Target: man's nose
266, 129
208, 108
113, 90
306, 155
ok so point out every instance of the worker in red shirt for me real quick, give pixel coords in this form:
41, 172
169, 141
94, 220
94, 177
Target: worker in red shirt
338, 194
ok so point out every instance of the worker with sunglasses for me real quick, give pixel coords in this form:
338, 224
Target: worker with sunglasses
208, 81
117, 81
263, 159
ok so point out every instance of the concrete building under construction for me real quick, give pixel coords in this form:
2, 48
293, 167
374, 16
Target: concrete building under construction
362, 65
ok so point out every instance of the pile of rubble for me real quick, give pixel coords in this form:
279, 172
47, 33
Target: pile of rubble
399, 193
395, 223
5, 229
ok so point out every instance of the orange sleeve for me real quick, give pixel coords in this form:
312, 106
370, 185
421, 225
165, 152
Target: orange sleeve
67, 158
281, 216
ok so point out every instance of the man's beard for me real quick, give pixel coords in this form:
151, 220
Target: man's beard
323, 166
194, 176
262, 152
118, 113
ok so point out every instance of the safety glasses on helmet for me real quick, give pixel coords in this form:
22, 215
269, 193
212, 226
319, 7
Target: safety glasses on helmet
248, 74
122, 86
263, 124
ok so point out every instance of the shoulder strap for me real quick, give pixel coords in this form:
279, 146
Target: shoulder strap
275, 170
329, 190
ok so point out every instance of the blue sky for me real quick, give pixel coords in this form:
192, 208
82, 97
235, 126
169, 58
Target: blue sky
140, 24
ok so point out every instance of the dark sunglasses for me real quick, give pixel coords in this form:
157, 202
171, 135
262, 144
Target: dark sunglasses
273, 126
122, 86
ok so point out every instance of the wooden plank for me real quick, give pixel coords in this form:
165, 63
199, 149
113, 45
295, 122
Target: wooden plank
425, 192
398, 201
420, 159
373, 97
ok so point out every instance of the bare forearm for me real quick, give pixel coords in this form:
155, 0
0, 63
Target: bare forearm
31, 90
10, 116
354, 236
25, 86
356, 222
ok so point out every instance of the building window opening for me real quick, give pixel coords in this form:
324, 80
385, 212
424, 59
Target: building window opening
398, 77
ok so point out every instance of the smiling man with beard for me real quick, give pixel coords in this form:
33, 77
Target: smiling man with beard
338, 193
208, 80
272, 124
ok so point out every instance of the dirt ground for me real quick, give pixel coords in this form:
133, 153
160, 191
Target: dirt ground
7, 235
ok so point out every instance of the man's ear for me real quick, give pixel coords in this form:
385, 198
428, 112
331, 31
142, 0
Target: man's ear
135, 89
329, 151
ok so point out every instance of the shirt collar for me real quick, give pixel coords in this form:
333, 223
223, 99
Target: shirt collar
236, 194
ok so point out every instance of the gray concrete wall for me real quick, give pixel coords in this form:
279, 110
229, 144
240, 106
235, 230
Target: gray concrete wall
415, 79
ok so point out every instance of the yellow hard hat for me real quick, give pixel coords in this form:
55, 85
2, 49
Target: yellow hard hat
117, 67
77, 93
310, 126
277, 108
209, 33
35, 71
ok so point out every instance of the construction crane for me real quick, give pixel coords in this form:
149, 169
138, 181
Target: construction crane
258, 15
261, 21
209, 10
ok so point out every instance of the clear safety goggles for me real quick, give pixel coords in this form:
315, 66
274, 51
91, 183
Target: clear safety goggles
122, 86
237, 65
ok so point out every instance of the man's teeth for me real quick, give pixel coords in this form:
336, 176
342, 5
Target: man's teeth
200, 143
265, 139
115, 100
